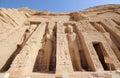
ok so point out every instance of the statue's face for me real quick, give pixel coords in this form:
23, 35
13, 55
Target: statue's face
49, 31
70, 28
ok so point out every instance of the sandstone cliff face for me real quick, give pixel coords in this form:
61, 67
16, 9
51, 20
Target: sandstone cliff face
44, 42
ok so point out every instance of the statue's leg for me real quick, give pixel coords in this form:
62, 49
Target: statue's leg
77, 57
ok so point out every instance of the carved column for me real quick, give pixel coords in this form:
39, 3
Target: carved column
24, 61
113, 46
64, 63
110, 27
92, 58
111, 54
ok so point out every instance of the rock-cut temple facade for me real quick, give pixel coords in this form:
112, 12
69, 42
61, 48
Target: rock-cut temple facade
81, 44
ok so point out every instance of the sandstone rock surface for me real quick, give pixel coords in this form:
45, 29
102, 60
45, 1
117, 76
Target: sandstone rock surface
82, 44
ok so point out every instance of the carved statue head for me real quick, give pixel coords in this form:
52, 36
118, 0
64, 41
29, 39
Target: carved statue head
49, 31
69, 29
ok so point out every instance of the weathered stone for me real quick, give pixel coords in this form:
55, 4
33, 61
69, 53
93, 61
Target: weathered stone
83, 44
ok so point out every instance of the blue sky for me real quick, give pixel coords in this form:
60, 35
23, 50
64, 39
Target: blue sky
55, 5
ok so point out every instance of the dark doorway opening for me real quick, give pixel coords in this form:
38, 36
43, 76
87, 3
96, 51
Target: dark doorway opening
99, 51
